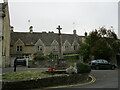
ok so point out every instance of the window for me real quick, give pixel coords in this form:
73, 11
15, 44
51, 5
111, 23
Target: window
75, 47
99, 61
66, 47
19, 48
104, 61
54, 48
39, 48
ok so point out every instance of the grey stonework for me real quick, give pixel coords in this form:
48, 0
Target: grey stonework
49, 43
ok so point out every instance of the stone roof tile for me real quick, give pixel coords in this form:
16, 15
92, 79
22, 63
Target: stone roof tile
47, 38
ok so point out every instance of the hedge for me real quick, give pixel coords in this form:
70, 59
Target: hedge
41, 57
31, 63
83, 68
71, 56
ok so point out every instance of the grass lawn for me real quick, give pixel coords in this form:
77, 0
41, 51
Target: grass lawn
26, 75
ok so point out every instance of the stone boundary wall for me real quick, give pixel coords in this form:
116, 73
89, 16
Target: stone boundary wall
44, 82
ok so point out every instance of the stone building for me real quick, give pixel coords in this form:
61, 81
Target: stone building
118, 56
27, 44
4, 35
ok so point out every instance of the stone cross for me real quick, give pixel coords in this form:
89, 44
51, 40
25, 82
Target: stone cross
59, 28
60, 43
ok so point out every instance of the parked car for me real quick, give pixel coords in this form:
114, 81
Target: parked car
102, 64
20, 61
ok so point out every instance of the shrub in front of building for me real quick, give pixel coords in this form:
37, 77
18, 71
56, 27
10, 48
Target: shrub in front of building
31, 63
83, 68
41, 57
71, 56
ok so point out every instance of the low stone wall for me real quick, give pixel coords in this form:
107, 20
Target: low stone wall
44, 82
46, 64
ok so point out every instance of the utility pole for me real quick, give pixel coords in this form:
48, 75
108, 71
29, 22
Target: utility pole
60, 43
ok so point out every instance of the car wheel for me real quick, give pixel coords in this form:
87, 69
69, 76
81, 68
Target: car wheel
97, 67
112, 67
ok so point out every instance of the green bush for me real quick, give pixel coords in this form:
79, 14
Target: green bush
83, 68
71, 56
31, 63
41, 57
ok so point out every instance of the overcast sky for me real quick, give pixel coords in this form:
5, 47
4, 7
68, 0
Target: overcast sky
46, 16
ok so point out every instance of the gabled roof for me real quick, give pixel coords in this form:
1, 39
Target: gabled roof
47, 38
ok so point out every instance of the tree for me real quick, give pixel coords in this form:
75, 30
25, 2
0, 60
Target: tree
100, 43
116, 46
84, 51
92, 38
103, 31
101, 49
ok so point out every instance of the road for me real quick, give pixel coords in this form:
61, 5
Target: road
105, 79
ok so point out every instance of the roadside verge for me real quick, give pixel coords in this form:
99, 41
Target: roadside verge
46, 82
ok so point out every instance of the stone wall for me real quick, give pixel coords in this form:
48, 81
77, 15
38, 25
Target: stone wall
6, 37
1, 27
45, 82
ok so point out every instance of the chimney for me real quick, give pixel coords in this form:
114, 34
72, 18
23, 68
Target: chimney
31, 29
51, 32
85, 34
44, 32
74, 32
11, 28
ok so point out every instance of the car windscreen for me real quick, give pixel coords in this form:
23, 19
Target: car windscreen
93, 61
20, 59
